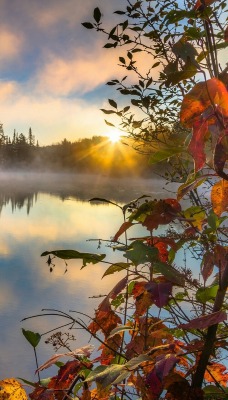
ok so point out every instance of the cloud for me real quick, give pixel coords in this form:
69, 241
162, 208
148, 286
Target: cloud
82, 72
11, 45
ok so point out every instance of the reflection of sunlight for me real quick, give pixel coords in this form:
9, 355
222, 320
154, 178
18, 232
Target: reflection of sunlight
4, 249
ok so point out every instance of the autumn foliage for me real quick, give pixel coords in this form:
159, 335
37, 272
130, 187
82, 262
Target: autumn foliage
161, 331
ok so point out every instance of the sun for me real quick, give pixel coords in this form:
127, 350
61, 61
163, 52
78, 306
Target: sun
114, 136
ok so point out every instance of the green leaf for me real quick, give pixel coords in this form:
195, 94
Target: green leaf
32, 337
117, 267
87, 25
139, 253
108, 123
109, 45
213, 220
190, 184
112, 103
215, 391
169, 273
122, 60
107, 111
135, 362
164, 154
105, 375
197, 216
174, 16
203, 295
100, 199
119, 329
27, 382
156, 64
73, 254
97, 14
185, 50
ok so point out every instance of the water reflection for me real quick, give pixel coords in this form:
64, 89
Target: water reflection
55, 215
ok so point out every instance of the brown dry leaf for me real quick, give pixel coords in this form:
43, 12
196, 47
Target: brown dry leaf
11, 389
219, 197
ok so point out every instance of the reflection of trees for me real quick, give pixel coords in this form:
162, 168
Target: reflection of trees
18, 200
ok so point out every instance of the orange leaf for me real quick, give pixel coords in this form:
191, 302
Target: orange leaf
216, 373
219, 197
122, 229
202, 96
104, 321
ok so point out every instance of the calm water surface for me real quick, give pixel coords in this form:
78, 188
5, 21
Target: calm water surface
39, 214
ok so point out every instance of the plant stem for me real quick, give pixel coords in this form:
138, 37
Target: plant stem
211, 333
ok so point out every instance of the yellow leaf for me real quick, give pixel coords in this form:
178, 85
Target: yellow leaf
11, 389
219, 197
196, 215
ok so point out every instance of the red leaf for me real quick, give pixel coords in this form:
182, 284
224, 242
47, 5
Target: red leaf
196, 145
139, 288
104, 305
201, 5
220, 257
205, 321
41, 393
66, 375
207, 265
221, 155
126, 225
164, 364
163, 212
154, 383
160, 291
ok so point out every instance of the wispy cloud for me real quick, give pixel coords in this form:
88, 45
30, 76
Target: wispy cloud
82, 72
11, 45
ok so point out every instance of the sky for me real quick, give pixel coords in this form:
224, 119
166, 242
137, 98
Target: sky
53, 71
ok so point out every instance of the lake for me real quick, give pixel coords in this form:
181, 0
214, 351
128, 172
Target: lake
46, 212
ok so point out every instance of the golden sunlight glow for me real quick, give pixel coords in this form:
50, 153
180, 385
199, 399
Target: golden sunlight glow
114, 136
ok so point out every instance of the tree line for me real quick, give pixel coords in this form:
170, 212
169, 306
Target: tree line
88, 155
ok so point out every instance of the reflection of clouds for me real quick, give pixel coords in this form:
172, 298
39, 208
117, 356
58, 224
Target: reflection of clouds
4, 248
52, 219
8, 298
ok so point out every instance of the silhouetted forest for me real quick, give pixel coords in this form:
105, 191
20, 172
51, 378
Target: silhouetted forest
95, 155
